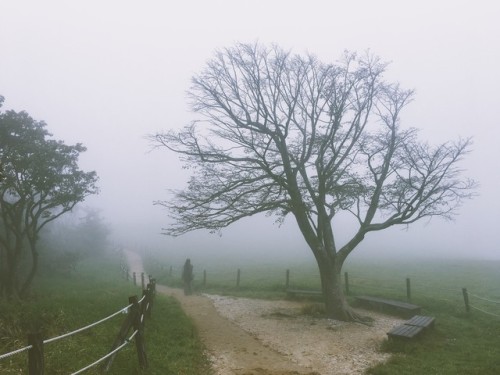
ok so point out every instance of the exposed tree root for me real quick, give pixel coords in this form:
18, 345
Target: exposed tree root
357, 318
347, 314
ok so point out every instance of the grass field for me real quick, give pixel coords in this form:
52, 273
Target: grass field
93, 292
461, 343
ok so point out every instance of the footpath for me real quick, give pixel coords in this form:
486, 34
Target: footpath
231, 350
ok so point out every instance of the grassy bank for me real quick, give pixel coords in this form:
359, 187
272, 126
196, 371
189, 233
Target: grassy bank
461, 343
94, 291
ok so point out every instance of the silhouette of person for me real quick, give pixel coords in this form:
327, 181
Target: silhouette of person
187, 277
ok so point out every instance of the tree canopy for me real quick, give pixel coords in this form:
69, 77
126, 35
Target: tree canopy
287, 134
41, 180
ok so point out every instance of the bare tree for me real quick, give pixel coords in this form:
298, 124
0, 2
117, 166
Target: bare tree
288, 134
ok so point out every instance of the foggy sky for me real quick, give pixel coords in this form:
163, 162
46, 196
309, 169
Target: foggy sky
108, 73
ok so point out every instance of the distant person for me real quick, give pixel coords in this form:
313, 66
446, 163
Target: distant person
187, 277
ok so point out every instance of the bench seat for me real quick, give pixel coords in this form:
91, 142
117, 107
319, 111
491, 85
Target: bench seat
407, 309
412, 327
421, 321
405, 331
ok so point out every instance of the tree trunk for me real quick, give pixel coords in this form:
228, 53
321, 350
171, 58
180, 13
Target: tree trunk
10, 280
31, 275
336, 304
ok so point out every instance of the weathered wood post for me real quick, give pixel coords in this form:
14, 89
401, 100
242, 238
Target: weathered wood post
287, 279
35, 354
408, 289
466, 300
145, 305
149, 299
120, 338
204, 278
139, 337
135, 278
238, 275
346, 282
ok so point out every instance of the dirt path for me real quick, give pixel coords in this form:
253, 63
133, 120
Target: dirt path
232, 350
255, 337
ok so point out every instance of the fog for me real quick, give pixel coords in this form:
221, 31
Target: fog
108, 73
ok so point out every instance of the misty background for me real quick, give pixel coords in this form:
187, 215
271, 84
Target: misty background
108, 73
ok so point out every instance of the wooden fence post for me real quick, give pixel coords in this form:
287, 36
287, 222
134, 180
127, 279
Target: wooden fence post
346, 282
287, 280
466, 300
408, 289
35, 354
120, 338
135, 278
238, 275
139, 337
148, 301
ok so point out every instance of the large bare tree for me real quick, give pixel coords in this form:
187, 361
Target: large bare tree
287, 134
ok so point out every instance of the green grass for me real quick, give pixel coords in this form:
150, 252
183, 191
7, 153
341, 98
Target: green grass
92, 293
461, 343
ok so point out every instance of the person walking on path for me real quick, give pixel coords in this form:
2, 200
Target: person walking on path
187, 277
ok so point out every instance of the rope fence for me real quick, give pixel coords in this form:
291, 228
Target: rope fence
469, 306
6, 355
111, 353
136, 311
237, 278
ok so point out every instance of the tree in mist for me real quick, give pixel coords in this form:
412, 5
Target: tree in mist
82, 234
41, 181
287, 134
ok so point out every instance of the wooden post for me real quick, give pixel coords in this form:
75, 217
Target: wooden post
238, 278
143, 285
135, 278
139, 337
408, 289
153, 285
466, 300
35, 354
120, 338
146, 304
346, 282
287, 279
204, 277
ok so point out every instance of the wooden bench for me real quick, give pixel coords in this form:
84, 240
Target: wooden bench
299, 292
421, 321
412, 327
404, 308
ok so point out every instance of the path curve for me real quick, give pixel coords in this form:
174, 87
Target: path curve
232, 350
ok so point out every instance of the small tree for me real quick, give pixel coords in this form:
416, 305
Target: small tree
286, 134
41, 181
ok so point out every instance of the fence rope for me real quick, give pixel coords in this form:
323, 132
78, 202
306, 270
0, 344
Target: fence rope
485, 312
106, 356
483, 298
125, 309
142, 299
15, 352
